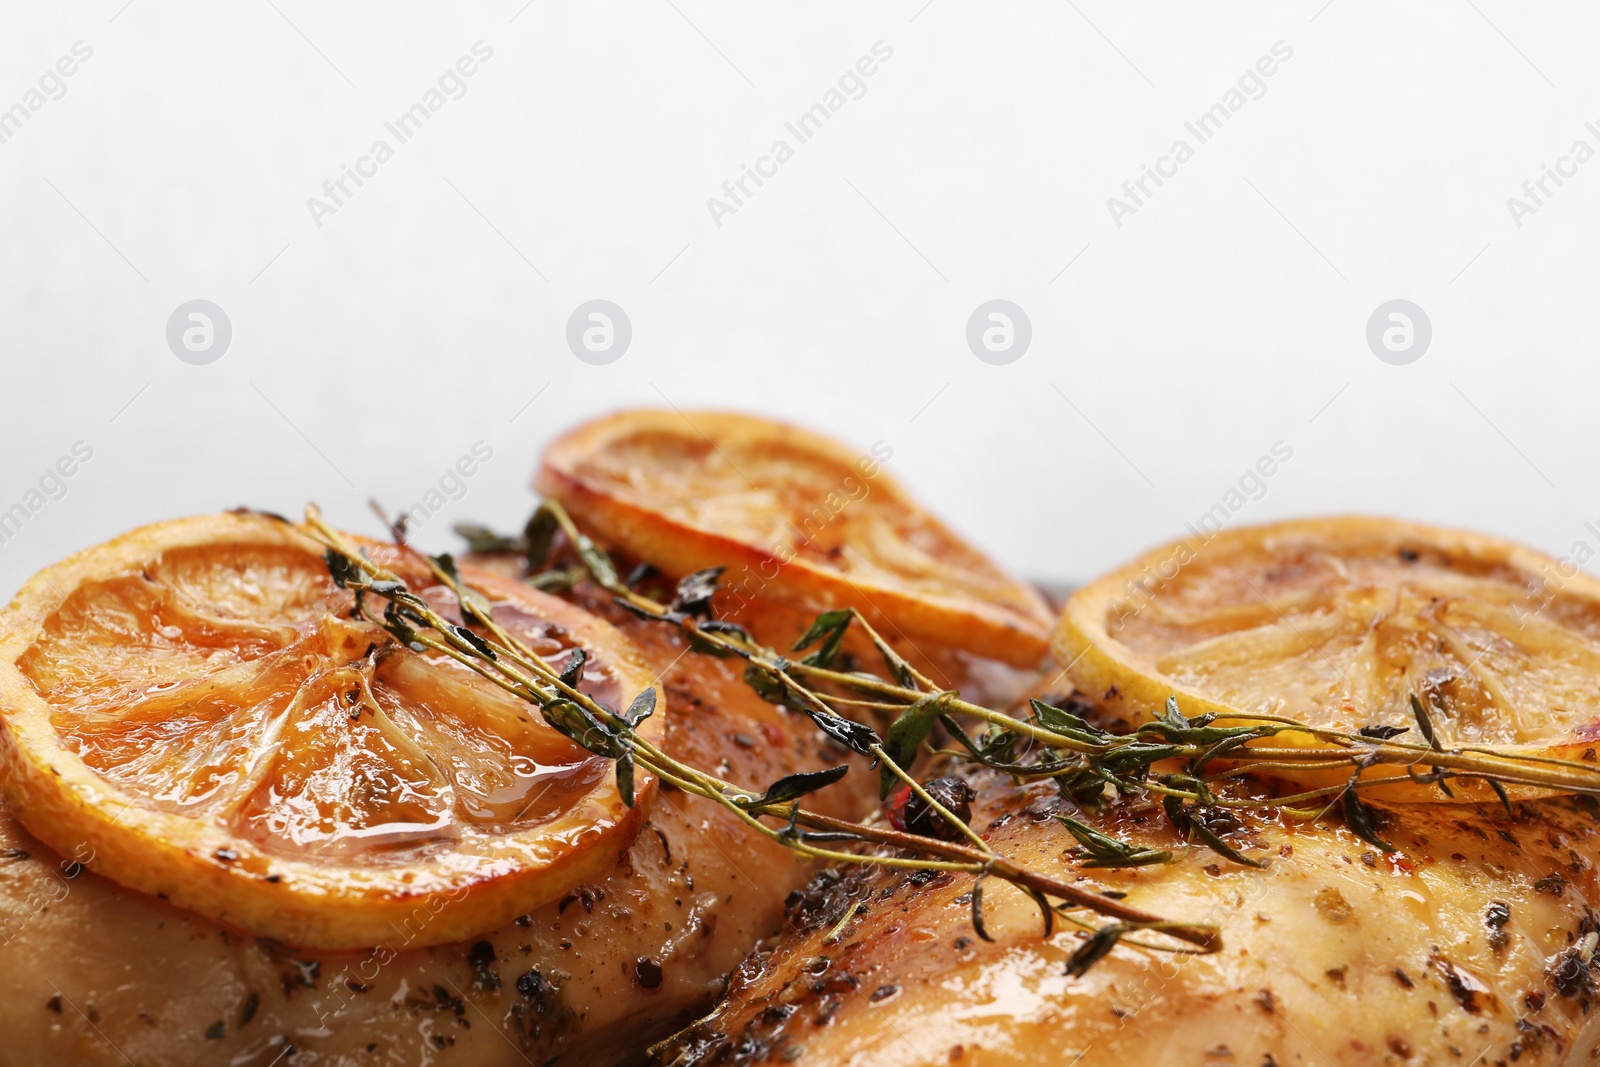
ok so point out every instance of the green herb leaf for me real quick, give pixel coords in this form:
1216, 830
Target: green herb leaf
625, 777
997, 745
1104, 850
1500, 791
560, 580
599, 564
538, 535
482, 539
829, 628
722, 626
1358, 816
572, 673
346, 573
766, 686
1066, 723
858, 737
1082, 785
473, 603
794, 786
1221, 748
1425, 724
1095, 949
576, 723
395, 622
906, 734
1191, 822
478, 643
1044, 908
447, 563
695, 591
977, 907
643, 706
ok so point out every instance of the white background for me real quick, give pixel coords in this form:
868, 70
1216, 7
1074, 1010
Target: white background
1225, 315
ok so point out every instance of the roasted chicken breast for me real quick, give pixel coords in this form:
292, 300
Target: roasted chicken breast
1474, 943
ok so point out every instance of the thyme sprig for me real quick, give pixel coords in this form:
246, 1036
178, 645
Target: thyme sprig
1189, 763
1084, 760
484, 646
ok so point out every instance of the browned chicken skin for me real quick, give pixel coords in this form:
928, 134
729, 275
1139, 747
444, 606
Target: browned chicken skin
1472, 945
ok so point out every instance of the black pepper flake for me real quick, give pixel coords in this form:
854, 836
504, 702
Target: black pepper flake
216, 1031
1553, 884
776, 1014
225, 855
1462, 986
585, 895
1495, 918
54, 1004
1403, 978
482, 958
647, 971
252, 1004
883, 992
1569, 974
532, 984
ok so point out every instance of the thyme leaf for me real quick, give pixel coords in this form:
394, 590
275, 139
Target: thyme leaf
828, 628
803, 783
906, 735
1104, 850
1092, 951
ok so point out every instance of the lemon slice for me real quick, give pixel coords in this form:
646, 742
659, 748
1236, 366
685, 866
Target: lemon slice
193, 705
794, 517
1337, 622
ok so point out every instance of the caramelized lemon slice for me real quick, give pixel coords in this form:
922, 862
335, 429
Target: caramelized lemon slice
794, 517
1338, 622
192, 706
